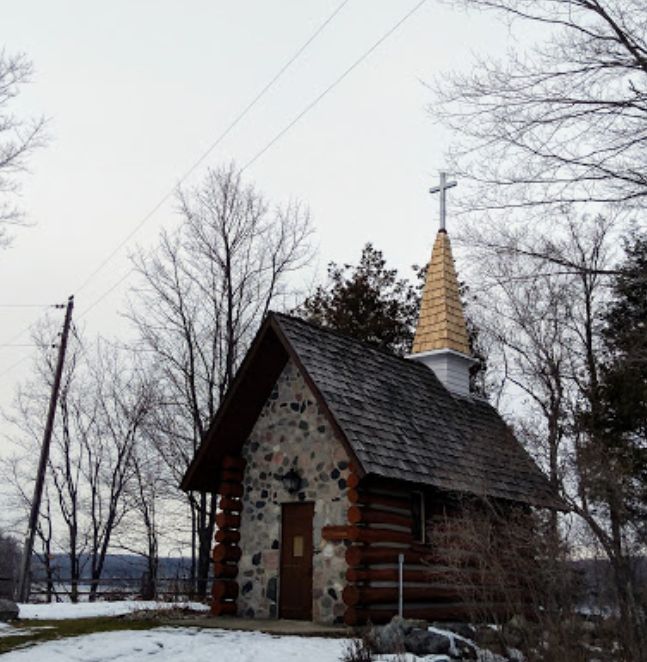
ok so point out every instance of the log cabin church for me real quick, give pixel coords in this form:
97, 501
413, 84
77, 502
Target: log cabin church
331, 458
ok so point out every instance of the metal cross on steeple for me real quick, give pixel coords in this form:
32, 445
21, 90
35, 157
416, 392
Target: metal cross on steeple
444, 185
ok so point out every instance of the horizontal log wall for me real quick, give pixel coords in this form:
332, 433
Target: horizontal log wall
226, 552
232, 537
444, 577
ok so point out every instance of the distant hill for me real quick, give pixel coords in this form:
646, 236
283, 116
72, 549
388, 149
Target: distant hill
596, 580
122, 566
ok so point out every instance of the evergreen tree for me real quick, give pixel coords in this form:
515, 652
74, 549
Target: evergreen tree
368, 302
621, 423
372, 303
612, 448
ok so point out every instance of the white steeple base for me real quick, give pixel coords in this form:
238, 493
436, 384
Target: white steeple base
452, 368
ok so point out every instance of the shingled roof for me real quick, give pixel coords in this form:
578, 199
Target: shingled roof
395, 417
441, 323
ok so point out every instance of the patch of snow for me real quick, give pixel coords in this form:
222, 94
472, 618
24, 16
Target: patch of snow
483, 654
61, 610
602, 611
21, 632
452, 636
182, 645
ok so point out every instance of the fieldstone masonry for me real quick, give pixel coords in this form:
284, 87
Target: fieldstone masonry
291, 432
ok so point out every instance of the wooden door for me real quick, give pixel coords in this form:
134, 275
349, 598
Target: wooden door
295, 599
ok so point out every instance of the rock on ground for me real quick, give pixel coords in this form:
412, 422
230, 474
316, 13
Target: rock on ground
8, 610
403, 635
423, 642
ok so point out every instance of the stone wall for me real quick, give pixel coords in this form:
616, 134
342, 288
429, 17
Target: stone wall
291, 431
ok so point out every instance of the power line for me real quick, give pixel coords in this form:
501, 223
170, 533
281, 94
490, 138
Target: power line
31, 344
21, 333
28, 305
14, 365
105, 294
58, 306
334, 84
296, 119
213, 145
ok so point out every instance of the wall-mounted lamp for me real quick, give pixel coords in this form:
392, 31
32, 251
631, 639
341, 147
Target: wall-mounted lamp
291, 481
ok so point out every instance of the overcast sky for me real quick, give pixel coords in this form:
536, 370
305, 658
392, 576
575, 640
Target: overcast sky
136, 91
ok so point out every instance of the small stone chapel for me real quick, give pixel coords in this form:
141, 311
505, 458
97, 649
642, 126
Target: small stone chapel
332, 458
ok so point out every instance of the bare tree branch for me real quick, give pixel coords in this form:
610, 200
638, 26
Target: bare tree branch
561, 122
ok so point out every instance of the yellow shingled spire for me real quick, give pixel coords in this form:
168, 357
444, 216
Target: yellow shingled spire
441, 324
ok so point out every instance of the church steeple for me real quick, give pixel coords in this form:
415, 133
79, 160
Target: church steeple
441, 341
441, 323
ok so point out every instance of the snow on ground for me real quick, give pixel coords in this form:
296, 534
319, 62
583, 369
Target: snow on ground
182, 645
188, 644
60, 610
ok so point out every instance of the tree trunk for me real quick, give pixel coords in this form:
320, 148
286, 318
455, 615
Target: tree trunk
74, 575
205, 537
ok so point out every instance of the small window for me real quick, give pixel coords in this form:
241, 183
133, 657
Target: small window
418, 515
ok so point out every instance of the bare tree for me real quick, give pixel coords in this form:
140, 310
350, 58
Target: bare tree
77, 419
147, 498
546, 300
9, 565
561, 121
515, 574
538, 303
151, 518
18, 137
204, 293
123, 402
65, 459
17, 479
101, 416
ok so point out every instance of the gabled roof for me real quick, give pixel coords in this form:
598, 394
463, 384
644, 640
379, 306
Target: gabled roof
393, 415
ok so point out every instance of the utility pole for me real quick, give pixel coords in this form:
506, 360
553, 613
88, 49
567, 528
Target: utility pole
25, 571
